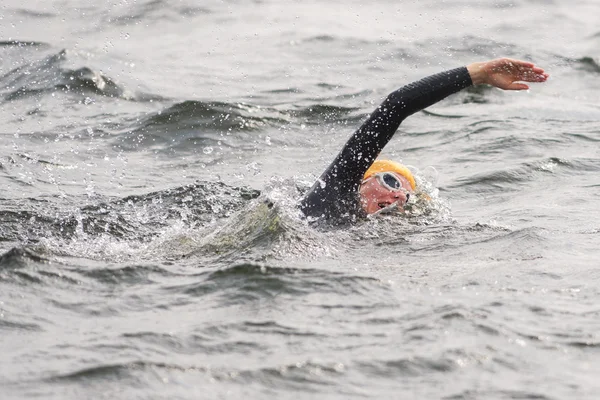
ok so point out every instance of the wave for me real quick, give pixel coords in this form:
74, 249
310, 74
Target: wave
295, 376
584, 63
499, 394
216, 116
20, 43
153, 11
23, 266
7, 325
35, 14
588, 64
194, 124
123, 275
79, 231
19, 257
250, 281
342, 40
46, 76
493, 181
526, 172
101, 372
318, 114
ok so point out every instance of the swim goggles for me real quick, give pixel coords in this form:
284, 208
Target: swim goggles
394, 184
390, 182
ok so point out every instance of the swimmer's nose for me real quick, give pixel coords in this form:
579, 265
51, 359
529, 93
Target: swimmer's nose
405, 195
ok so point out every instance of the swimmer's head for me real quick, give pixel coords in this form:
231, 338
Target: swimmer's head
386, 183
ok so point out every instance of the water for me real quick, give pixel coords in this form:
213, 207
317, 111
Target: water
152, 153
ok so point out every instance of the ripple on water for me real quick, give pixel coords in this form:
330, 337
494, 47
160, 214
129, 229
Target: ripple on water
310, 376
247, 282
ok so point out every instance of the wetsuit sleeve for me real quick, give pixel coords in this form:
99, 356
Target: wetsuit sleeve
335, 194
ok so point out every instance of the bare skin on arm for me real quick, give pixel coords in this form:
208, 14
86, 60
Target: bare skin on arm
506, 73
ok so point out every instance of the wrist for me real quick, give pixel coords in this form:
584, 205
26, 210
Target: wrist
477, 73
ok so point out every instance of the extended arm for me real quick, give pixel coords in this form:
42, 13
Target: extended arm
334, 195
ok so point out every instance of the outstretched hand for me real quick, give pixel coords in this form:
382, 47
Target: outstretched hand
506, 73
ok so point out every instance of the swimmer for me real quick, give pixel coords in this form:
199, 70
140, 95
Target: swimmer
356, 185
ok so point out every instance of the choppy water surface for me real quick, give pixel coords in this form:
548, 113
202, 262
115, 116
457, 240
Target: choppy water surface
152, 153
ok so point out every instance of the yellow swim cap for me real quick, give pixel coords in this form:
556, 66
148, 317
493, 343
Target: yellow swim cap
391, 166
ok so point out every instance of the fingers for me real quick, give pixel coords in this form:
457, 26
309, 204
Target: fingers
517, 86
506, 73
533, 76
537, 70
529, 72
520, 71
509, 64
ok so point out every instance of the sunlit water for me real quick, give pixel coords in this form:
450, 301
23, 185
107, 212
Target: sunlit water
152, 155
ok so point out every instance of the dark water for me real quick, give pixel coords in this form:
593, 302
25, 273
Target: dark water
152, 153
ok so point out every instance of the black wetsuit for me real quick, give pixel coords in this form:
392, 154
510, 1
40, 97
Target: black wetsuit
334, 197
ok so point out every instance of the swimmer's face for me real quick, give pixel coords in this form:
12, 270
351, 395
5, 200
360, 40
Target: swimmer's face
382, 190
